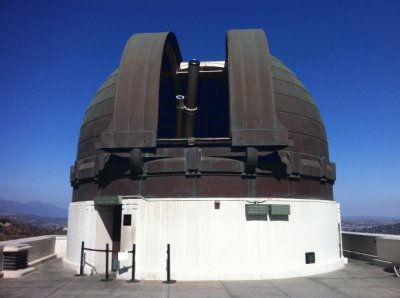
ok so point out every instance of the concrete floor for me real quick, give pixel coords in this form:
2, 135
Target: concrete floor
358, 279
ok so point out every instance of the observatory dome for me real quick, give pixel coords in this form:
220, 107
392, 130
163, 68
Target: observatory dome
265, 138
213, 159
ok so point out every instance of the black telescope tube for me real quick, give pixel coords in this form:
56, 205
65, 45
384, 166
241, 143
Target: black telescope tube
180, 106
191, 100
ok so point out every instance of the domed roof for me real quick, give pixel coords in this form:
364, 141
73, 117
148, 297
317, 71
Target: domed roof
256, 135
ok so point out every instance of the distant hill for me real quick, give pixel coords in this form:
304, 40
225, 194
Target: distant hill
34, 220
31, 208
392, 229
10, 229
370, 218
371, 224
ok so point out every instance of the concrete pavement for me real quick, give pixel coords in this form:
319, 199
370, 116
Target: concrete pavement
357, 279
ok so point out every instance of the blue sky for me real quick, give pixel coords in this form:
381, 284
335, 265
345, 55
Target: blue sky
55, 54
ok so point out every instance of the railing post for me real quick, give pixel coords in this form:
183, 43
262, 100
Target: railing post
107, 276
82, 260
133, 264
82, 263
169, 281
168, 264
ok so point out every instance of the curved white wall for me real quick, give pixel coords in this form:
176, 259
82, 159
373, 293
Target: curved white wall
211, 244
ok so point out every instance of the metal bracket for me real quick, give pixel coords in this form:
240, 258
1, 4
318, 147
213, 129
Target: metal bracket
193, 161
291, 161
136, 163
250, 164
101, 160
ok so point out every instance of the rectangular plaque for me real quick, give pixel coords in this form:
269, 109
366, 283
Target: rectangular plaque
107, 200
280, 209
257, 210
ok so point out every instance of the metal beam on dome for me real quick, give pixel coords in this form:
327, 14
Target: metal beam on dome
253, 119
135, 119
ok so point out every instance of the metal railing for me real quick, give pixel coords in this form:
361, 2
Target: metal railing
169, 280
133, 252
106, 251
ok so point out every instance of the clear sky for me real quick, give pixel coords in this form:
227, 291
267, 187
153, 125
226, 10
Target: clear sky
55, 54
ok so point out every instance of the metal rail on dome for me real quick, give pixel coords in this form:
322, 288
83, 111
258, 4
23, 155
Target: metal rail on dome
205, 67
194, 141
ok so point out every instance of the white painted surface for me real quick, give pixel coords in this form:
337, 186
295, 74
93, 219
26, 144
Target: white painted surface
1, 261
211, 244
388, 248
61, 246
81, 227
129, 207
378, 248
17, 273
41, 248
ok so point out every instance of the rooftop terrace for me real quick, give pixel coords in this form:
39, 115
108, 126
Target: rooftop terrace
357, 279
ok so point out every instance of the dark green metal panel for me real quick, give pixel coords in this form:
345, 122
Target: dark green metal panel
107, 200
280, 209
257, 212
256, 209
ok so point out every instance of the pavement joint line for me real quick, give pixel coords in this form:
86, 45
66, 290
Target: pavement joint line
62, 284
277, 287
333, 289
341, 293
226, 289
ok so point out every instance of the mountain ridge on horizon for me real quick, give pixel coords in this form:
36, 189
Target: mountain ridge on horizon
369, 217
32, 208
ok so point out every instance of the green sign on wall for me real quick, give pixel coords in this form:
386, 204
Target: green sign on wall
261, 211
256, 209
107, 200
280, 209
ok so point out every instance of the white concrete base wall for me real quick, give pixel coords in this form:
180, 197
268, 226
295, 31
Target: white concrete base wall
85, 224
380, 249
42, 248
61, 246
214, 244
388, 248
1, 261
